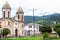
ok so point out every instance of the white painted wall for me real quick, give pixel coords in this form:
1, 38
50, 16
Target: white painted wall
26, 28
15, 25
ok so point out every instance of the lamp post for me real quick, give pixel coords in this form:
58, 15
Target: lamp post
33, 10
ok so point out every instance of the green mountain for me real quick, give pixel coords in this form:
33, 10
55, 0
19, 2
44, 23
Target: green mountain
29, 19
45, 20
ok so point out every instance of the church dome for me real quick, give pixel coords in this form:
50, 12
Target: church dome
6, 6
20, 10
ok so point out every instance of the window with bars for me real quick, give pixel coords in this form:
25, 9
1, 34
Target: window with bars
30, 26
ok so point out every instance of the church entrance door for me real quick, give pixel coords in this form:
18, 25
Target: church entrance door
16, 32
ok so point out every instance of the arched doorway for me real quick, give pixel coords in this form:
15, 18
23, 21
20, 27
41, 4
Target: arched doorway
16, 32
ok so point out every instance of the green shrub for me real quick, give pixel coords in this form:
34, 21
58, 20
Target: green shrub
5, 32
45, 35
45, 29
58, 31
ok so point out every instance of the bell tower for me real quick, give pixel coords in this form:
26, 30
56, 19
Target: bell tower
6, 9
20, 15
20, 19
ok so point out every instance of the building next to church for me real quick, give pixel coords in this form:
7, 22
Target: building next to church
31, 29
15, 25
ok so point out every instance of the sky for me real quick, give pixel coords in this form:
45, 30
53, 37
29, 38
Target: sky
45, 7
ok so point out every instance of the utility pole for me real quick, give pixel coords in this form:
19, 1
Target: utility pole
42, 18
33, 10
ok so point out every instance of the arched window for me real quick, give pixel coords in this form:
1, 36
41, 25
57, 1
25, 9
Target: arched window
4, 14
8, 14
18, 16
0, 26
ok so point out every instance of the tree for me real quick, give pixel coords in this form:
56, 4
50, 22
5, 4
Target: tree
57, 26
5, 32
45, 29
58, 31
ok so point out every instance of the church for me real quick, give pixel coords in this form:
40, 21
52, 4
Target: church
15, 24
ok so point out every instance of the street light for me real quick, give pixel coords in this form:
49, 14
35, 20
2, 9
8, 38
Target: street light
33, 10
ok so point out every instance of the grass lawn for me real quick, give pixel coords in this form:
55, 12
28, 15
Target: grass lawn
30, 38
24, 38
